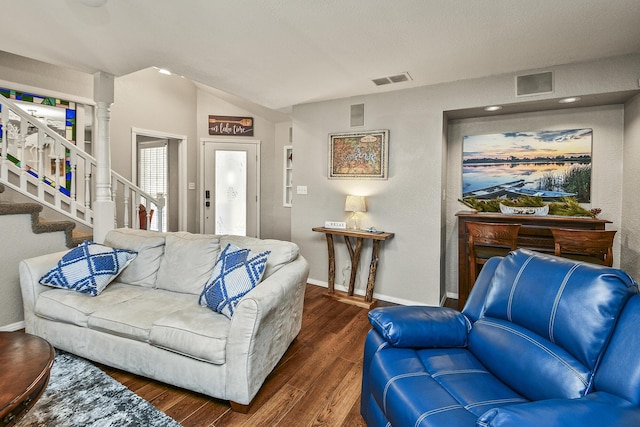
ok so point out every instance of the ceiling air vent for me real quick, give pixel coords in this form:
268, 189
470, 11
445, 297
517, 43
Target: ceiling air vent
398, 78
381, 81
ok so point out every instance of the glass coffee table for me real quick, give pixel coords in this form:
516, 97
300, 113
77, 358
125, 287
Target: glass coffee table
25, 363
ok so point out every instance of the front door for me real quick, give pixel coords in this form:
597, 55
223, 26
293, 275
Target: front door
231, 183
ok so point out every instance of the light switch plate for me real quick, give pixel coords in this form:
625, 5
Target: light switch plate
301, 189
335, 224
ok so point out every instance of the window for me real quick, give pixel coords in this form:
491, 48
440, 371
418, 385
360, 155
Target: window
152, 176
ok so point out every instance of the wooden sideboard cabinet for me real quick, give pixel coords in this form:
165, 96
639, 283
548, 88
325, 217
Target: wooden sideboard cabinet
534, 234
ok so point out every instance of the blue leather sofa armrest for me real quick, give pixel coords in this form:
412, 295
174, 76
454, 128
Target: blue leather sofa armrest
594, 410
420, 326
475, 302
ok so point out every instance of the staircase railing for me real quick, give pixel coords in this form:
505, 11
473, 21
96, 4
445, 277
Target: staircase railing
39, 163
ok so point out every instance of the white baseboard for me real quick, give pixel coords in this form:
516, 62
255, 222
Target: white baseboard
361, 292
12, 327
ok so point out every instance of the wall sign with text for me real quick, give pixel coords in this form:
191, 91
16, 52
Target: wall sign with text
230, 126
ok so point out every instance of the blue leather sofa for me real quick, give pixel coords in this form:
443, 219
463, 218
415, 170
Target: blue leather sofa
542, 341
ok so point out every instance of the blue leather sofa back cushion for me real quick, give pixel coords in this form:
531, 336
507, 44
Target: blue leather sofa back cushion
561, 310
574, 305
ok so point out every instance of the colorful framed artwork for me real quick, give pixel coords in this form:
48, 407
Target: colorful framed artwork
550, 164
359, 155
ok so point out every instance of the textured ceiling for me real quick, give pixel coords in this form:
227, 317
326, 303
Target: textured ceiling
279, 53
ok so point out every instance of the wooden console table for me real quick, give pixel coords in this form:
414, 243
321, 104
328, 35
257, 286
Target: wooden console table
534, 234
354, 253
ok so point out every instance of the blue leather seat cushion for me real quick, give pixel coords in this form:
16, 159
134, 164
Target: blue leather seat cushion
572, 305
526, 362
435, 387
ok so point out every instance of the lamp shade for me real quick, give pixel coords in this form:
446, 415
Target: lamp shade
355, 204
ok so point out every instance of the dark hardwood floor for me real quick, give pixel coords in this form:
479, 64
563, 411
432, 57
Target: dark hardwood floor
316, 383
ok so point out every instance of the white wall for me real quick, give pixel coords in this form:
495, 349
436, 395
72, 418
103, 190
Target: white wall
155, 102
17, 233
17, 72
168, 104
410, 203
607, 123
282, 215
630, 238
272, 214
407, 204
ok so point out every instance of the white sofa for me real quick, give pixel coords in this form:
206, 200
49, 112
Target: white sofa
149, 320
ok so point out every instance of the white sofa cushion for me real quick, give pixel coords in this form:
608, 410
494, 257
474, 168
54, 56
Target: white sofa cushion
188, 262
196, 332
150, 246
72, 307
133, 318
281, 252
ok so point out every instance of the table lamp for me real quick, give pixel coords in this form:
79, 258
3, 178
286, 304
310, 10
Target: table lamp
355, 204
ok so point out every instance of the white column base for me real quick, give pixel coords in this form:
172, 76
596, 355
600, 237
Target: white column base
103, 213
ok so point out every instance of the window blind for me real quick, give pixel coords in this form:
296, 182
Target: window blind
152, 176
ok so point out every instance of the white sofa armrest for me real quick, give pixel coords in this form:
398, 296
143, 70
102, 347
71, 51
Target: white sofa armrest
31, 270
263, 326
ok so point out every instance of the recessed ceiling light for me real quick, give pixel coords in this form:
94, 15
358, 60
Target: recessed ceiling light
164, 71
493, 108
570, 100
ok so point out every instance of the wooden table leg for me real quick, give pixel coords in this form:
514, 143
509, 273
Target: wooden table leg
355, 260
332, 264
372, 271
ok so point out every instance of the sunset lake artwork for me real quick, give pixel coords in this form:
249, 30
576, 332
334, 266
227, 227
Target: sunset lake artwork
550, 164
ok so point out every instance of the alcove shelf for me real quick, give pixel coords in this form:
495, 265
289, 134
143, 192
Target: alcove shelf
287, 175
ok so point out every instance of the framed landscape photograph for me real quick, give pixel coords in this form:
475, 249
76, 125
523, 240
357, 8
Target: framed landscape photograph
359, 155
550, 164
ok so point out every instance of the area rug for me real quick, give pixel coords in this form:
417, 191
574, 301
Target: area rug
80, 394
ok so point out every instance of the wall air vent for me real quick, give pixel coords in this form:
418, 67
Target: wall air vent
398, 78
357, 115
534, 84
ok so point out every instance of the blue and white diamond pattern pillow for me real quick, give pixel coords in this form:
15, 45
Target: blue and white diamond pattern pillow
88, 268
236, 272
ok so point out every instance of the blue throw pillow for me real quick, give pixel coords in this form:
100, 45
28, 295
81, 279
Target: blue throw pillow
88, 268
236, 272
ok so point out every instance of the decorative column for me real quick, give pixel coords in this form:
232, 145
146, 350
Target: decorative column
103, 205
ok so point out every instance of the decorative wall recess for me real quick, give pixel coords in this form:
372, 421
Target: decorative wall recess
287, 175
